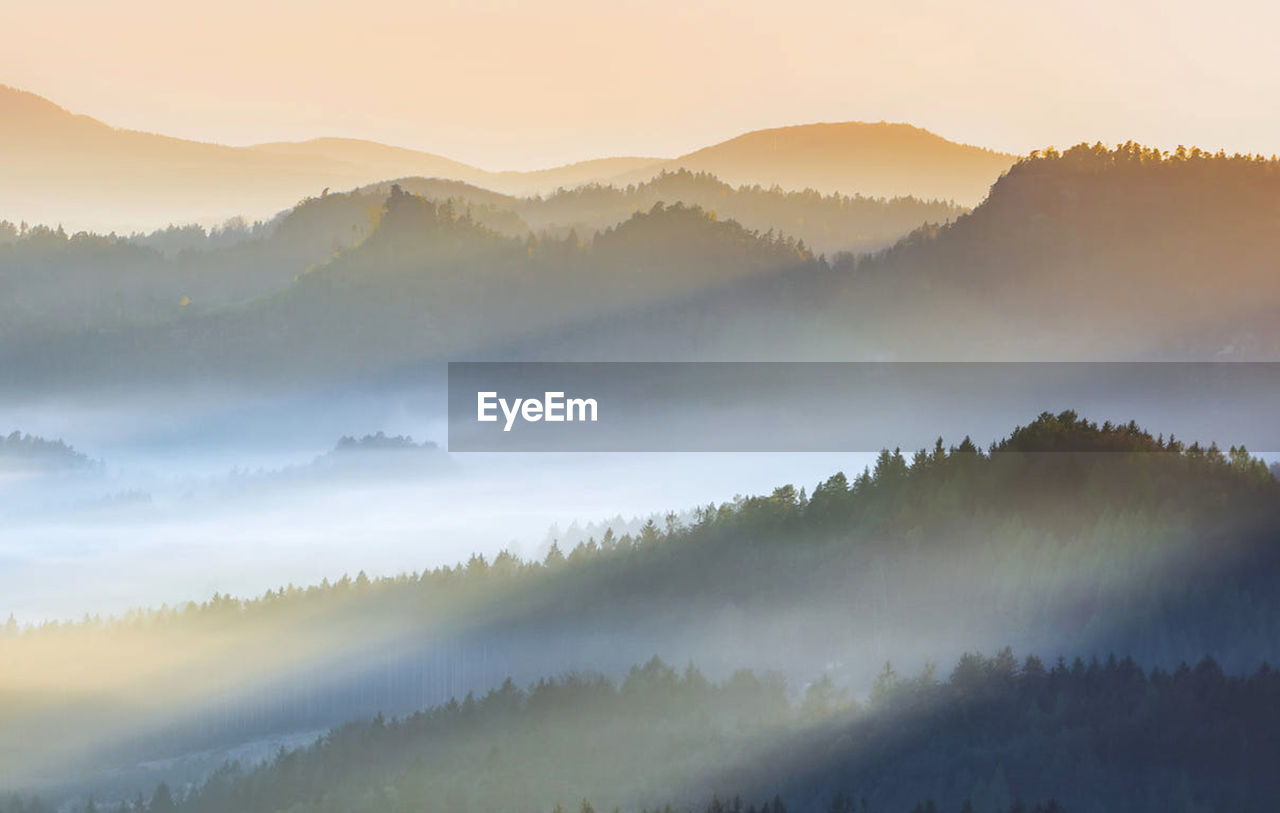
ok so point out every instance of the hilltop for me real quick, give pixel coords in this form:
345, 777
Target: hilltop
874, 159
1114, 252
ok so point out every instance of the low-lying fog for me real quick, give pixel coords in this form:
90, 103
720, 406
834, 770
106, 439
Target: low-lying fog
239, 496
182, 497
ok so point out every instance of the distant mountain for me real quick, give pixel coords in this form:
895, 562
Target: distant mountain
878, 160
56, 283
385, 162
1092, 254
430, 280
544, 181
58, 167
827, 224
1127, 253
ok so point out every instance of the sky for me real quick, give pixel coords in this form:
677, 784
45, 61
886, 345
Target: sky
520, 85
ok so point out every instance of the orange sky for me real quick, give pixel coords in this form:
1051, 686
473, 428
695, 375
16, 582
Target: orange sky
518, 85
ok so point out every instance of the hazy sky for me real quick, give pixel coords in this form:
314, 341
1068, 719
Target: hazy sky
506, 84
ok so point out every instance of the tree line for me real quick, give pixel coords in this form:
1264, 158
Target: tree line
1100, 734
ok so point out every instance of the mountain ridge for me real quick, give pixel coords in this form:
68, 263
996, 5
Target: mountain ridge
57, 166
875, 159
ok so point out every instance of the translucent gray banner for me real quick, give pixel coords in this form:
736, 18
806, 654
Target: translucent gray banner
835, 406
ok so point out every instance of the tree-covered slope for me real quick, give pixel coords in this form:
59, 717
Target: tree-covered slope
1066, 538
1102, 252
1096, 735
427, 282
1089, 254
829, 224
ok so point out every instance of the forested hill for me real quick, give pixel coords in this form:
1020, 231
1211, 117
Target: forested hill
1131, 247
1082, 736
21, 453
1090, 254
827, 223
1067, 538
428, 282
61, 284
1061, 480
